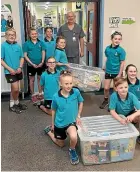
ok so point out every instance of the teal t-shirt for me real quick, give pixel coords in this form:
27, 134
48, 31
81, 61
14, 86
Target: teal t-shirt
124, 107
66, 108
114, 57
49, 47
135, 88
34, 51
60, 56
50, 82
11, 55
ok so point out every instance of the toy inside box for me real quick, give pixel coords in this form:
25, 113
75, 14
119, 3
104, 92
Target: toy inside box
104, 140
87, 78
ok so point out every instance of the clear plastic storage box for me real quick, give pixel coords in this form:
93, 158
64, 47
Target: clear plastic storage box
87, 78
104, 140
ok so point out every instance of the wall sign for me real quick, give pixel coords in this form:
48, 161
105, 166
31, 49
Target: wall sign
128, 20
114, 22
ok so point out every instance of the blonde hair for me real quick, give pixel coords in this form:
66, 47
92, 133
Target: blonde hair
10, 30
118, 81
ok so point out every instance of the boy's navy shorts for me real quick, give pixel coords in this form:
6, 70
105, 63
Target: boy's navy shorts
13, 78
47, 104
32, 71
110, 76
61, 133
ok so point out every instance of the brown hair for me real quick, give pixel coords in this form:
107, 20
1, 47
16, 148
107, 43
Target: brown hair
59, 37
118, 81
115, 33
50, 58
12, 30
64, 73
32, 29
127, 68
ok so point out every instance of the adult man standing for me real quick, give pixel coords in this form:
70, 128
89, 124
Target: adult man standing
73, 34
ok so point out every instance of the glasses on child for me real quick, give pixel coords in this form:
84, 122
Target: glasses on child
51, 62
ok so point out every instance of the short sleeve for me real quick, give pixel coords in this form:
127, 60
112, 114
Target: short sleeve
21, 52
42, 80
80, 98
57, 56
106, 52
54, 104
2, 51
82, 34
136, 102
113, 102
122, 55
25, 47
43, 46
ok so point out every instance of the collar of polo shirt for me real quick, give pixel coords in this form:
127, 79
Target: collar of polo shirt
10, 42
120, 98
60, 49
114, 47
46, 40
60, 95
50, 72
136, 83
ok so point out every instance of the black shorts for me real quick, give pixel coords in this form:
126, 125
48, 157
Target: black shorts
61, 133
32, 71
110, 76
47, 104
13, 78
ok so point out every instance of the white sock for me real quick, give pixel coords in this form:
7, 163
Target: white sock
12, 103
16, 102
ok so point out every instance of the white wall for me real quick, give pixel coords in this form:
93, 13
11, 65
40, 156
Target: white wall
131, 33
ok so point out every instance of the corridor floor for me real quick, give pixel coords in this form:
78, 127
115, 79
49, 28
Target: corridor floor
25, 147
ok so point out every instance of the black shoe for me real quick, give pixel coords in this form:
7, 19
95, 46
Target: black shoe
104, 104
22, 106
15, 108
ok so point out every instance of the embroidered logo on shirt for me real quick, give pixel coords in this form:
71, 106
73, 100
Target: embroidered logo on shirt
11, 79
116, 54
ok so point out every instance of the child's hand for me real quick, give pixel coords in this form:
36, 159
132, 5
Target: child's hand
123, 121
34, 65
130, 118
12, 71
40, 65
67, 65
78, 121
52, 128
18, 70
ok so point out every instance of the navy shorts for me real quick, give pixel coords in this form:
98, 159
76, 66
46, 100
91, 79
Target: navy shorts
47, 104
13, 78
110, 76
61, 133
32, 71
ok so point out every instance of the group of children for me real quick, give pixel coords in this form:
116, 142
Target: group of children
61, 100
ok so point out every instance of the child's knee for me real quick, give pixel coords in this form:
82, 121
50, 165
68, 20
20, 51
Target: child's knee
60, 143
73, 137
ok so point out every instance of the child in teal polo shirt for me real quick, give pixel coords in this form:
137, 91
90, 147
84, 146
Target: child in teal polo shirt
133, 81
123, 102
12, 60
114, 64
34, 53
50, 84
60, 54
50, 43
67, 106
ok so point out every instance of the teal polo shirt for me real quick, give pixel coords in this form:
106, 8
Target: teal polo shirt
114, 57
11, 55
66, 108
49, 47
50, 82
124, 107
34, 51
60, 56
135, 88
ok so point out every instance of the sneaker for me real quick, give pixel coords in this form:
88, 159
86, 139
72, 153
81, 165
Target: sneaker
73, 156
15, 108
47, 129
22, 106
104, 104
34, 99
40, 97
138, 139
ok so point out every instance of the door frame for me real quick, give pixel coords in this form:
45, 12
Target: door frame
95, 33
